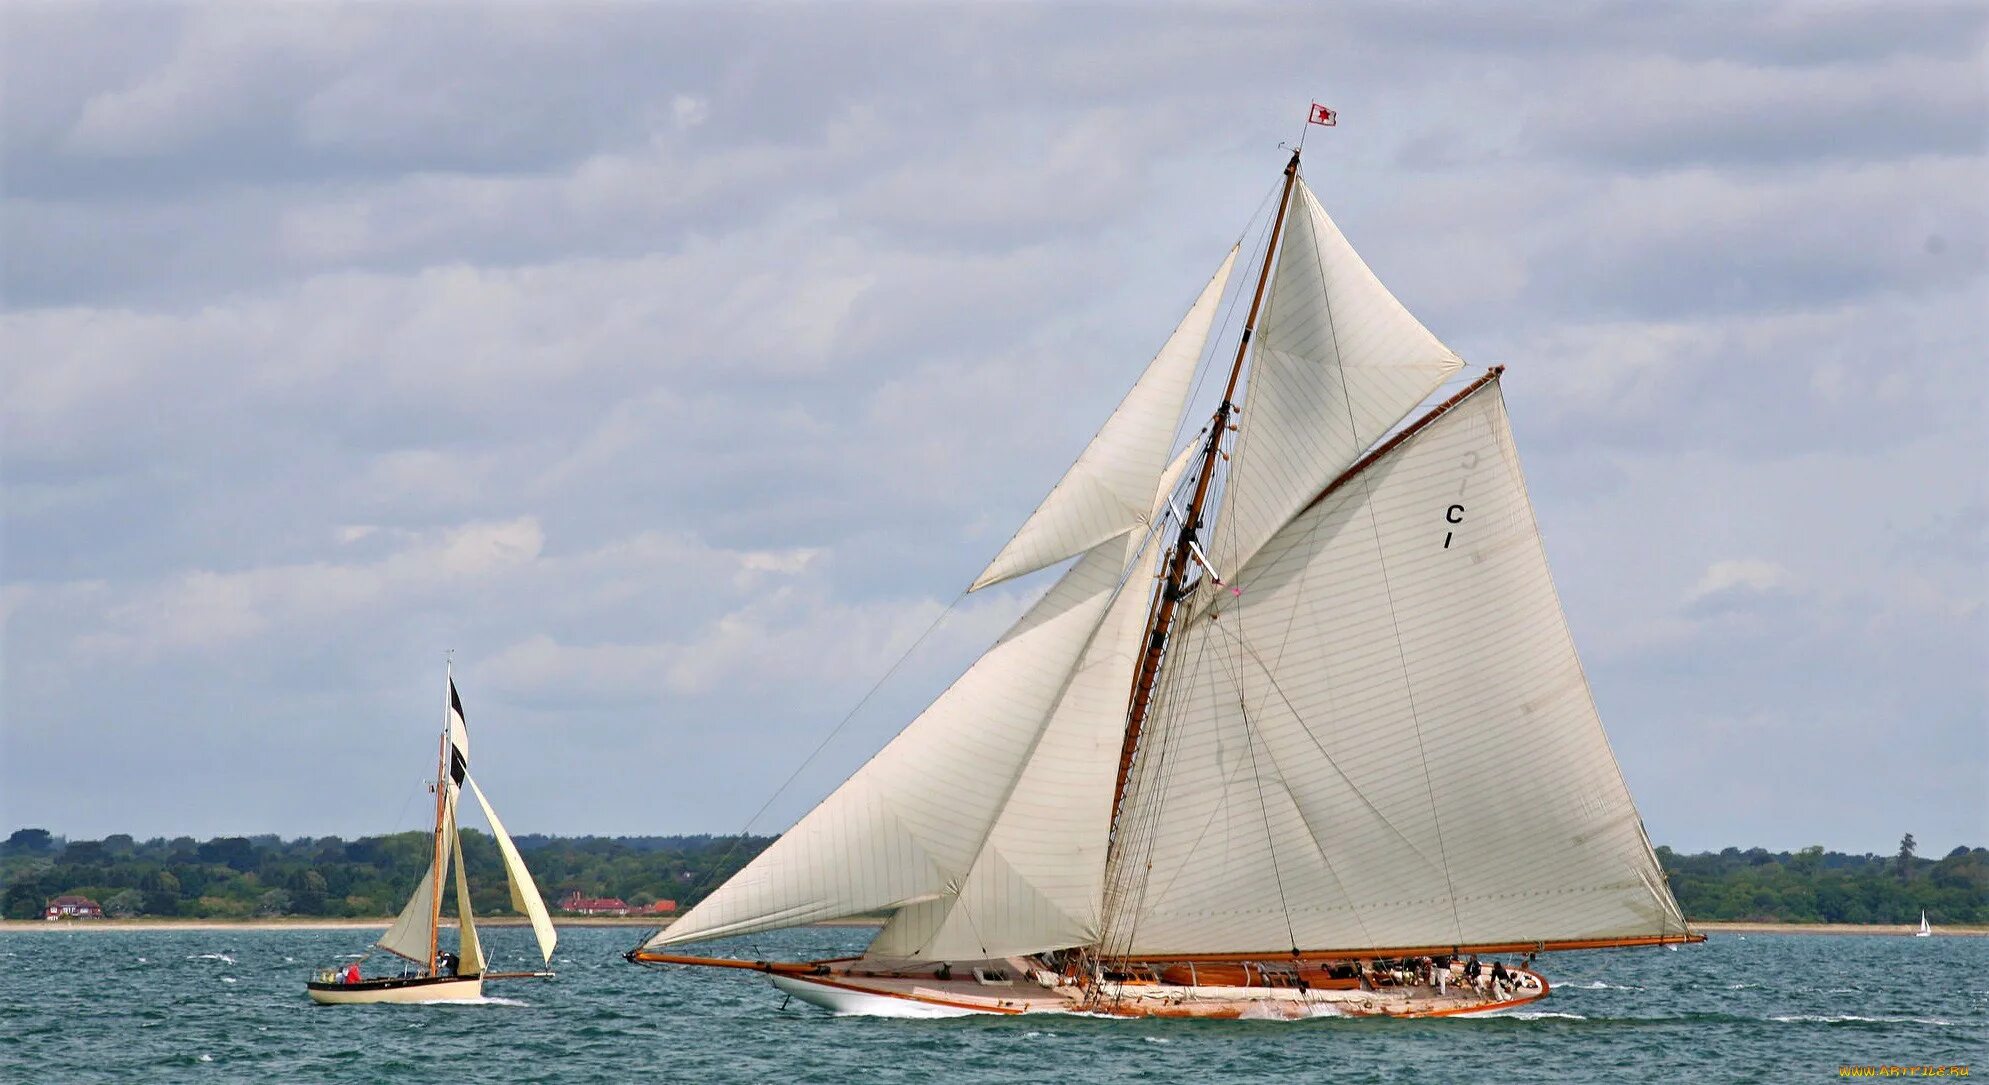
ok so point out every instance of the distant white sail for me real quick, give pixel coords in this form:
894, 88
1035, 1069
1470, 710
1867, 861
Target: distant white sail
1386, 740
1106, 492
524, 892
1337, 362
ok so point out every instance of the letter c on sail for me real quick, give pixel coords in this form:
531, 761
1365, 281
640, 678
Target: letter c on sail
1454, 514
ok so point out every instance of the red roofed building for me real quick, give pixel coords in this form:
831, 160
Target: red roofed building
579, 905
69, 907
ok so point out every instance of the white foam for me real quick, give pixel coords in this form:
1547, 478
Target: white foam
1156, 1039
229, 979
1536, 1015
485, 1000
1598, 985
207, 1058
223, 957
1842, 1018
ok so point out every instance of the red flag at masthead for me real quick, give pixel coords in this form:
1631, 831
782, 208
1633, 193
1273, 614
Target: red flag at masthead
1322, 115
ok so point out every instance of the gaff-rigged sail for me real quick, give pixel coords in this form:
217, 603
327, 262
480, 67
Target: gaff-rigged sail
1386, 739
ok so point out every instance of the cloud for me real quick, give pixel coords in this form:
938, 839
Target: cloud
673, 367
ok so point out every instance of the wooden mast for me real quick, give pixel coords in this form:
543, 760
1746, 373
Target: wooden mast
441, 798
1162, 620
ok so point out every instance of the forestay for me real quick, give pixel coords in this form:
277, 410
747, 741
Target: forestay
1386, 740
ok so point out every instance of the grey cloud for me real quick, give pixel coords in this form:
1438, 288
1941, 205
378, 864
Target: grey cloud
294, 297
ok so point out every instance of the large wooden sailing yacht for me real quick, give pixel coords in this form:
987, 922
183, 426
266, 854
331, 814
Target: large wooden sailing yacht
1300, 732
430, 974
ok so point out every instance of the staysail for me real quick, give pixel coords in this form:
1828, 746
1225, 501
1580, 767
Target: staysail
469, 951
1386, 739
414, 929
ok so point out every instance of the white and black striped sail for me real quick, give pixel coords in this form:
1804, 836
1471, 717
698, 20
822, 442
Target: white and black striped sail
1386, 740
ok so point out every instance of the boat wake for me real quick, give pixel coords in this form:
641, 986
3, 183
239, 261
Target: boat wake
482, 1000
1599, 985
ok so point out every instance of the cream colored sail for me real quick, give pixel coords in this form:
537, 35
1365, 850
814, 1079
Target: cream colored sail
1386, 740
909, 825
413, 931
1336, 363
1038, 877
469, 951
1106, 492
524, 893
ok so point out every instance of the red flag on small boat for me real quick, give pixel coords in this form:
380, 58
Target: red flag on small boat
1322, 115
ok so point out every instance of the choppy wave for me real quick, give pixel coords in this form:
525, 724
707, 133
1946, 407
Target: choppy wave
222, 957
1852, 1018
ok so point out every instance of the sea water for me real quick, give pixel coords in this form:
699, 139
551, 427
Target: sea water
111, 1005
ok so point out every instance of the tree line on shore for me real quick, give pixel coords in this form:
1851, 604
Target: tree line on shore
371, 877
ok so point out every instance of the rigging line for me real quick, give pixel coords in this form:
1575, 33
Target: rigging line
1351, 785
740, 839
1161, 778
1251, 738
1429, 785
1229, 311
1324, 859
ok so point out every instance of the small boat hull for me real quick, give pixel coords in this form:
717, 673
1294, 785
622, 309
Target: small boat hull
402, 990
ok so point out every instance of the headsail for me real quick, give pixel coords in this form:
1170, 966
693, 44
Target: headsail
1105, 493
1337, 363
414, 929
1038, 879
967, 818
1386, 740
524, 892
469, 951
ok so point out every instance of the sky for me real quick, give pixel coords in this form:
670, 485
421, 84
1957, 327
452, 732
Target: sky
675, 367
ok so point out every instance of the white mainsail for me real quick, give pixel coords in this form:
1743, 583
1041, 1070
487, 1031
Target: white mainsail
1386, 740
1337, 362
1107, 491
524, 892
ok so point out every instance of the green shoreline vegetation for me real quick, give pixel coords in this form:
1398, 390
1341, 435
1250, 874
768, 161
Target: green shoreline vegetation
236, 877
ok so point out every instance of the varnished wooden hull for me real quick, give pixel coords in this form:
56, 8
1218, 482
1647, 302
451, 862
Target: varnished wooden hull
417, 989
930, 997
